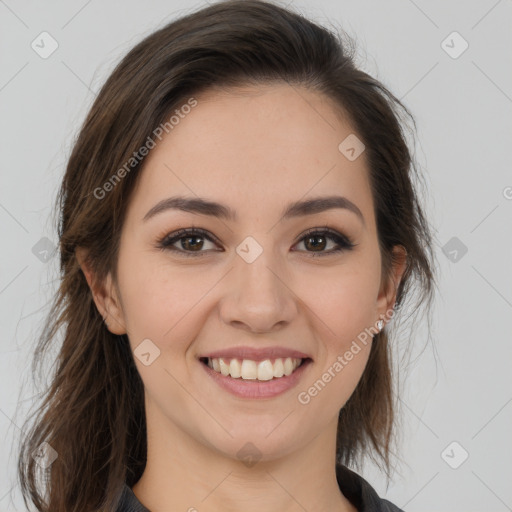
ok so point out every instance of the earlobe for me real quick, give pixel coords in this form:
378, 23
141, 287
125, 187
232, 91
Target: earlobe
387, 296
104, 295
114, 315
400, 262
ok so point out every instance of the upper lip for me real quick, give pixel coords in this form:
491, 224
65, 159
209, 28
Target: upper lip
256, 354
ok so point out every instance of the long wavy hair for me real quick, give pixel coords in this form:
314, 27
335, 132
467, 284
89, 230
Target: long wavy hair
92, 410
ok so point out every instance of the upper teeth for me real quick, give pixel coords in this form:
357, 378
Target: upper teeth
252, 370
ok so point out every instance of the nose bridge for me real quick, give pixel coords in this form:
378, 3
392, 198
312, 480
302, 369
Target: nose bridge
258, 295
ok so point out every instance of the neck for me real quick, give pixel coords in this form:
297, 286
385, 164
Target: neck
182, 474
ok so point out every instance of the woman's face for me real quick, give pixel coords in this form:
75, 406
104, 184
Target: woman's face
255, 280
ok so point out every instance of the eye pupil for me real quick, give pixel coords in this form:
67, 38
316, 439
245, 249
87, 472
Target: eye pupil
320, 245
185, 245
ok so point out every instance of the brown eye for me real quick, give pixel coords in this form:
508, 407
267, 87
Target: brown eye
317, 241
191, 240
314, 244
192, 243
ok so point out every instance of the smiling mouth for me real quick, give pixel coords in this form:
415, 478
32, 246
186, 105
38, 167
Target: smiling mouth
247, 369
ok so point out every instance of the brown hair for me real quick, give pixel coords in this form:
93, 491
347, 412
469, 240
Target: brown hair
92, 414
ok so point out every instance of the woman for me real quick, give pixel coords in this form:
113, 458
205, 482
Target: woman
237, 224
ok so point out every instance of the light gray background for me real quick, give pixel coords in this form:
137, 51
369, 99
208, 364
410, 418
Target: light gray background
463, 108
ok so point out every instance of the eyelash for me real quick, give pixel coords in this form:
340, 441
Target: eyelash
343, 242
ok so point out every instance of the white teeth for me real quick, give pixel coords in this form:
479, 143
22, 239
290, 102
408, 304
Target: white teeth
249, 370
288, 366
234, 369
224, 368
278, 368
252, 370
265, 370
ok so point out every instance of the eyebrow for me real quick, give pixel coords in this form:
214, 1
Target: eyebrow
201, 206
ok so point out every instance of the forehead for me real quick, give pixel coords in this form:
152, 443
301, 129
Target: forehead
254, 145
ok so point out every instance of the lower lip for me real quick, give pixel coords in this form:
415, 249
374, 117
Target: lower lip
257, 388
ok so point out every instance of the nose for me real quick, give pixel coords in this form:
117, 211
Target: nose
258, 296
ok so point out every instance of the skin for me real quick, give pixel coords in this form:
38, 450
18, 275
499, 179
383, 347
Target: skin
255, 149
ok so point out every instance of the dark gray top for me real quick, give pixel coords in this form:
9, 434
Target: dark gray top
355, 488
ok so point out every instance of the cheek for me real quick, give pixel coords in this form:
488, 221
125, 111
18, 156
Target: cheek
344, 310
156, 297
161, 304
343, 301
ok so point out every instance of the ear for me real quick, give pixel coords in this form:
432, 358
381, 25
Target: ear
104, 294
387, 294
